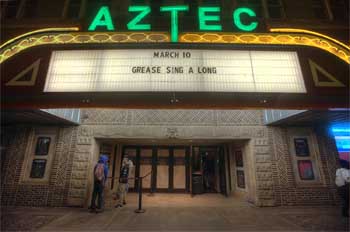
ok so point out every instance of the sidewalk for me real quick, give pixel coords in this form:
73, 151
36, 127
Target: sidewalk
165, 212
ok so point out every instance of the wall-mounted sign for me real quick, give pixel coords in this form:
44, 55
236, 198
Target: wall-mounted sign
38, 168
172, 70
208, 19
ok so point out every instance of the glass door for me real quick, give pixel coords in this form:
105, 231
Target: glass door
222, 170
163, 169
146, 167
179, 169
132, 154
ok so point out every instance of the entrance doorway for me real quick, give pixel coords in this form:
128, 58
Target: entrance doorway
208, 170
192, 169
168, 167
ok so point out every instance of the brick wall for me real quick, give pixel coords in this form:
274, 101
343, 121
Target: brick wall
287, 190
53, 193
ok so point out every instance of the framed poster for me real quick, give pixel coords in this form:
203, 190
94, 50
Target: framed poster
239, 158
240, 179
301, 147
38, 168
42, 146
305, 170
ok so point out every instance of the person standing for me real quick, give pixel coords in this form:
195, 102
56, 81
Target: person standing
123, 183
131, 169
342, 180
100, 178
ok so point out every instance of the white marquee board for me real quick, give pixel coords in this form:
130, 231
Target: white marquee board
172, 70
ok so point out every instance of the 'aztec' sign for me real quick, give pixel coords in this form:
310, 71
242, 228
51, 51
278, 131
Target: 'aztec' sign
208, 19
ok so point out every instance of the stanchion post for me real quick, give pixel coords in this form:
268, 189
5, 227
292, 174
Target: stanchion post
140, 210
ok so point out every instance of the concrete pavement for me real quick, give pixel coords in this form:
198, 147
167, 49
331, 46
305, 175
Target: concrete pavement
178, 212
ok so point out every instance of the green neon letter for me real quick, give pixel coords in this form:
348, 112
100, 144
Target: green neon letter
237, 19
203, 18
144, 10
99, 21
174, 19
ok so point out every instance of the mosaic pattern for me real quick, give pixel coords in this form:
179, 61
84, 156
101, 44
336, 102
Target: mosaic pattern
106, 116
240, 117
172, 117
47, 37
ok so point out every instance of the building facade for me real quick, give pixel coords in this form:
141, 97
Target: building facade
259, 161
189, 146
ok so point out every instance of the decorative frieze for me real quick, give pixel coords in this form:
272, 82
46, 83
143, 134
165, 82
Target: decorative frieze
263, 158
77, 193
262, 150
172, 117
85, 131
105, 116
84, 140
81, 156
261, 141
172, 133
264, 167
266, 194
267, 184
76, 175
80, 165
180, 132
83, 148
78, 184
263, 176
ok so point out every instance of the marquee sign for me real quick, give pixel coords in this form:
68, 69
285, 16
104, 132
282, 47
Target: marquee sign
172, 70
284, 68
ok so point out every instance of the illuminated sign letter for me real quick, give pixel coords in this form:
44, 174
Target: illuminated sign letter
203, 18
100, 22
144, 10
237, 19
174, 19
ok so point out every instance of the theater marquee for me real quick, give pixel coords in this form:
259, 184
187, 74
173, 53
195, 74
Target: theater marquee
69, 67
172, 70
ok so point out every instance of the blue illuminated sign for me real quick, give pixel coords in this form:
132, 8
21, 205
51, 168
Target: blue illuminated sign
342, 138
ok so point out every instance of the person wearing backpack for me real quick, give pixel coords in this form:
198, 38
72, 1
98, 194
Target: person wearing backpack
342, 179
100, 179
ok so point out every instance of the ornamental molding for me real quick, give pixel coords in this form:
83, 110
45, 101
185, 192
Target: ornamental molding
180, 132
69, 36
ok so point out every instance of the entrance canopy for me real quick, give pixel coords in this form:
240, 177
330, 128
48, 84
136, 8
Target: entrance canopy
55, 69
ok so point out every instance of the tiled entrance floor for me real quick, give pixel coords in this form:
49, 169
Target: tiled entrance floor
209, 212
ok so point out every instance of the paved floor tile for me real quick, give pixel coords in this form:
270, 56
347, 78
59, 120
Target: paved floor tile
177, 212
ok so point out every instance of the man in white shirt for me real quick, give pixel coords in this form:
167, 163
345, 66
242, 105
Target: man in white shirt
342, 180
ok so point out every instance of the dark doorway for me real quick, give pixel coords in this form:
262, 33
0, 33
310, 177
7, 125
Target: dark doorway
208, 170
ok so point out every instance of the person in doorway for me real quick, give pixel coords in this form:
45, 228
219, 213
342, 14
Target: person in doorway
131, 166
342, 180
123, 183
100, 178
